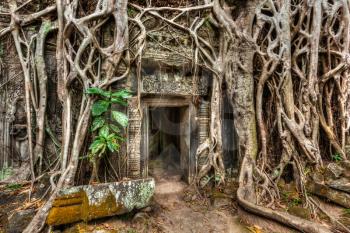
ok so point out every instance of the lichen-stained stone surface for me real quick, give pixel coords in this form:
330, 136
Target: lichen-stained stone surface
173, 84
89, 202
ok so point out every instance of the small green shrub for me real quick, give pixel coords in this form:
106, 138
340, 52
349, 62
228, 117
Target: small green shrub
337, 157
347, 211
291, 198
131, 230
296, 201
107, 123
131, 12
5, 173
14, 186
108, 137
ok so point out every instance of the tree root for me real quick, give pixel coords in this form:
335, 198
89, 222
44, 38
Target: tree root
288, 49
321, 190
281, 217
333, 220
39, 220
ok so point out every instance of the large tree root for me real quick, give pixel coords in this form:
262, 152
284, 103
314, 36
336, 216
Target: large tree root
39, 220
281, 217
285, 36
321, 190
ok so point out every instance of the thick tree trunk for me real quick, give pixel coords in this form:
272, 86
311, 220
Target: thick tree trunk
292, 56
24, 60
42, 78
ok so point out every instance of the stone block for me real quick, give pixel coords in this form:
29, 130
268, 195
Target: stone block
87, 202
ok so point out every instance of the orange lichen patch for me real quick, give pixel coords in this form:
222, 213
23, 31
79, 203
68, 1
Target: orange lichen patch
71, 199
63, 215
107, 207
97, 201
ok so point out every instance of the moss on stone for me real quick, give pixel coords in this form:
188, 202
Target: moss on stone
102, 200
64, 215
146, 191
46, 27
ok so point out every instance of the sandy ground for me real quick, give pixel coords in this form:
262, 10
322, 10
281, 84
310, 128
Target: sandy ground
175, 208
181, 216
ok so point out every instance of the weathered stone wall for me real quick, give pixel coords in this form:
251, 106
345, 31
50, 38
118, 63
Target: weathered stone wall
172, 84
169, 49
167, 71
12, 115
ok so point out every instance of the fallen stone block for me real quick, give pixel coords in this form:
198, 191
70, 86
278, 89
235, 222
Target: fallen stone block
87, 202
334, 171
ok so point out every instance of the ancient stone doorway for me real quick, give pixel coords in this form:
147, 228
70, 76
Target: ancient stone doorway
168, 139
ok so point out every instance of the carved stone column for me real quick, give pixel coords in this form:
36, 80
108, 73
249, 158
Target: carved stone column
134, 139
203, 130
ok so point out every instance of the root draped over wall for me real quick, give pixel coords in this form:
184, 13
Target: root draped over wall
284, 62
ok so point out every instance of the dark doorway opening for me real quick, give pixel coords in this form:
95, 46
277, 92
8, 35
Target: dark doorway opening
168, 144
229, 139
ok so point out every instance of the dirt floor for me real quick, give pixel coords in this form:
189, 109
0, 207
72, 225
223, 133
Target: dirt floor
176, 207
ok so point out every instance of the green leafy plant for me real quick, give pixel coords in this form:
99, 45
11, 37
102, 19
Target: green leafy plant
217, 178
107, 123
207, 23
285, 195
131, 12
337, 157
131, 230
291, 198
14, 186
47, 26
296, 201
5, 173
208, 178
205, 180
